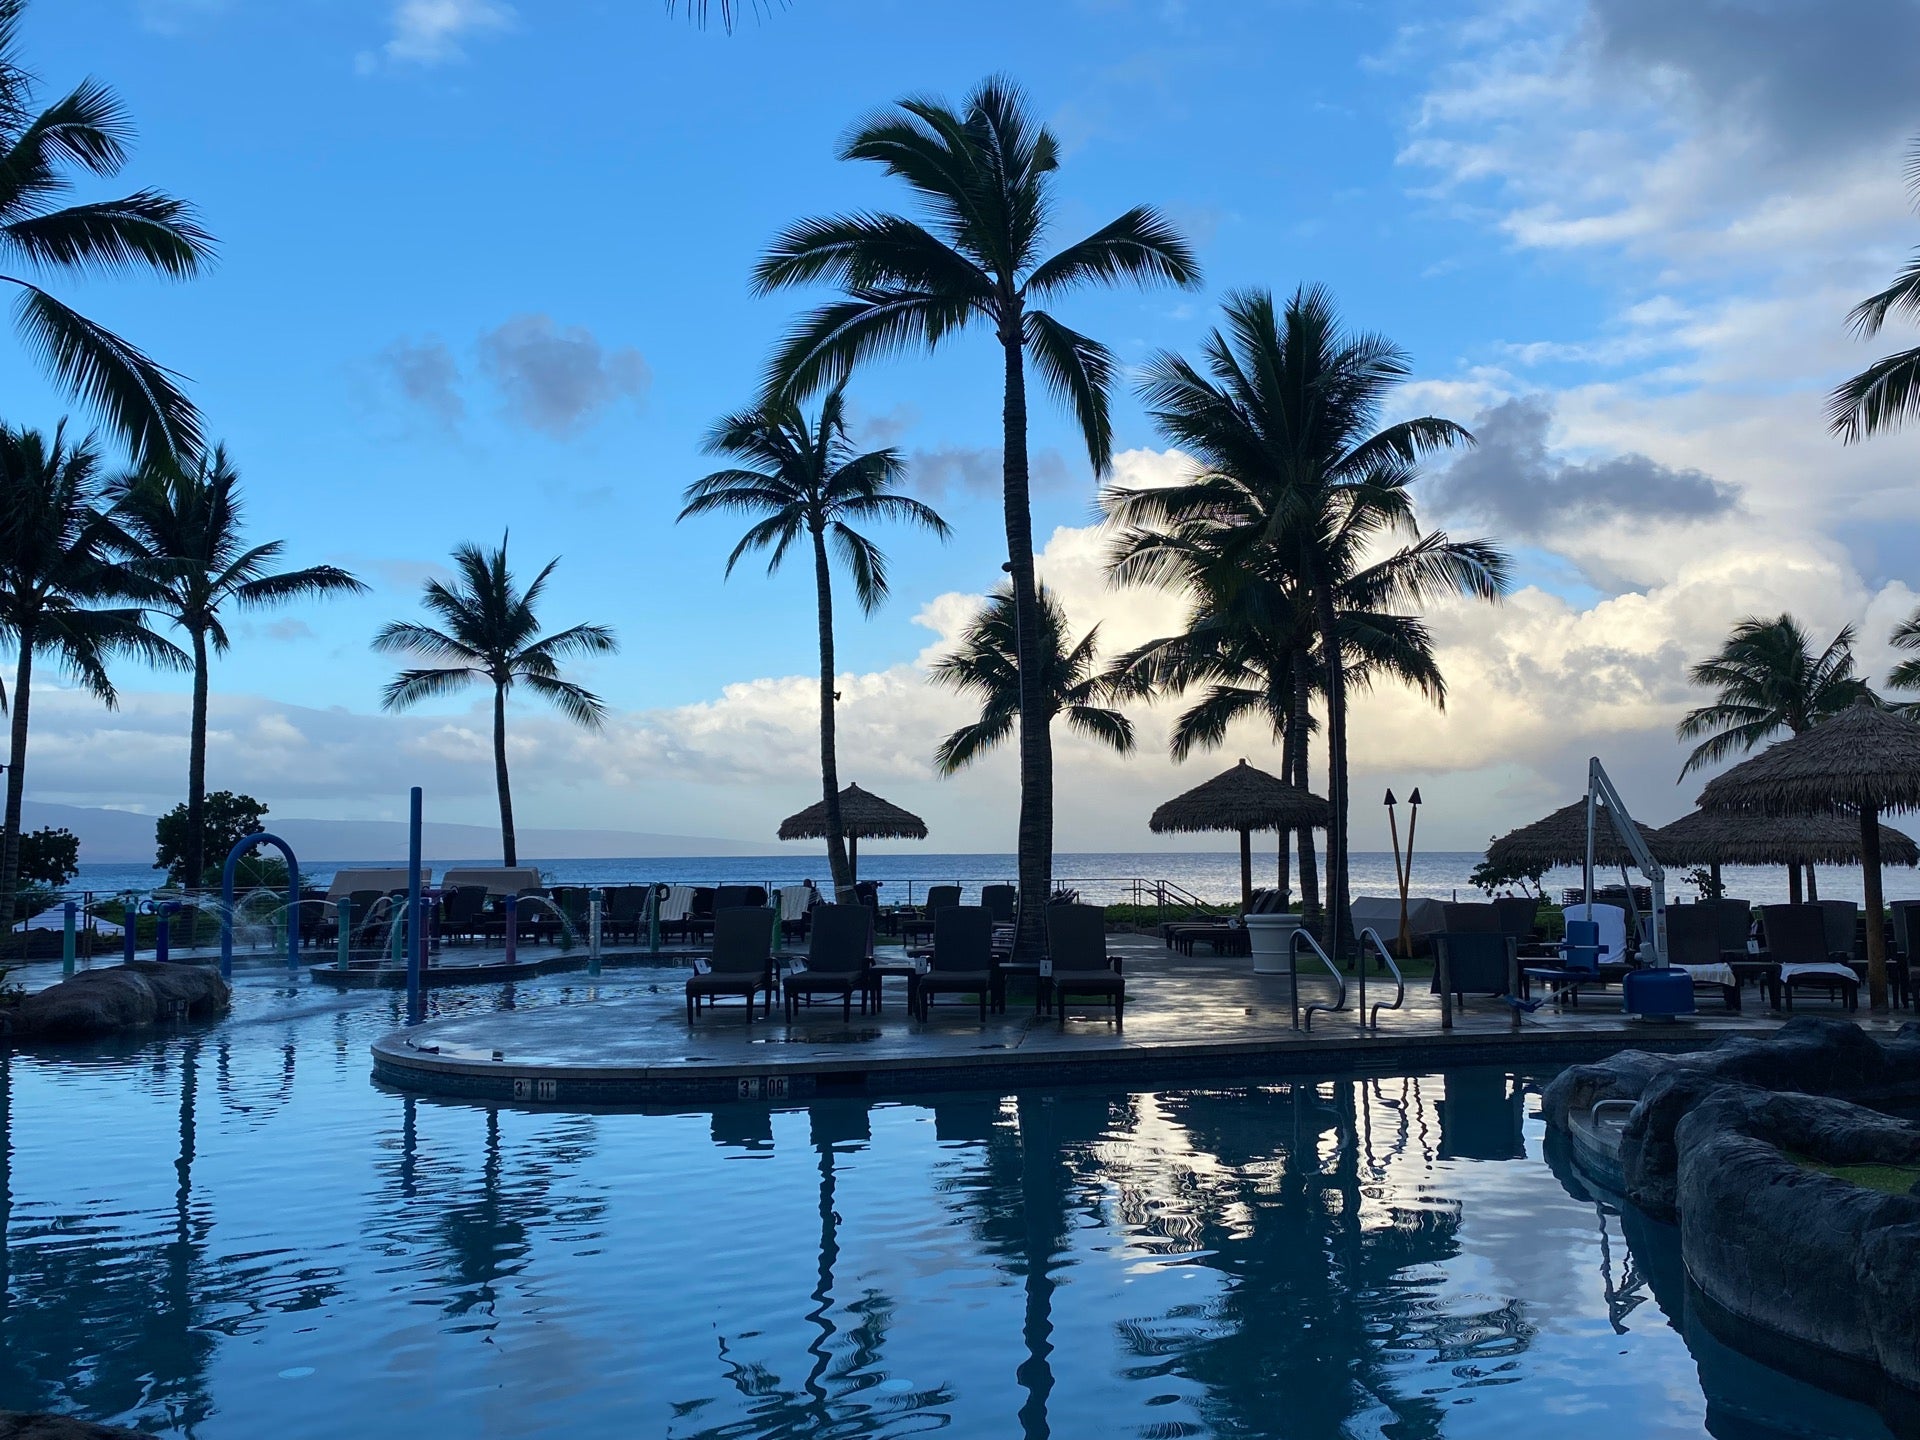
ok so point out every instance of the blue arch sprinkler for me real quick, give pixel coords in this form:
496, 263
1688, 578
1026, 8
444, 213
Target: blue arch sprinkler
241, 848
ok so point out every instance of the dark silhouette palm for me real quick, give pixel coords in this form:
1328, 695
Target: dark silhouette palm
63, 588
1298, 486
1886, 394
188, 529
490, 630
984, 174
1906, 674
88, 130
985, 666
803, 480
1767, 679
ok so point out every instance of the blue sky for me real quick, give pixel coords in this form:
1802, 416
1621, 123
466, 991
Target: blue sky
485, 265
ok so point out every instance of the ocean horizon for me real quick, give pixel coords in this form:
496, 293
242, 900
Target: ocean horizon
1105, 877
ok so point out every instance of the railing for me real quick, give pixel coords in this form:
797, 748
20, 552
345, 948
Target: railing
1372, 1018
1293, 978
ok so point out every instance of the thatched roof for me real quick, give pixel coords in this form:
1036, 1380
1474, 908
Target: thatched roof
1561, 839
1728, 837
864, 816
1862, 756
1242, 798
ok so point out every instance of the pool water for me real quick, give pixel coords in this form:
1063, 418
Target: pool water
234, 1233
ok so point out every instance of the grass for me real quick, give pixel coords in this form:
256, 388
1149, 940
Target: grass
1885, 1179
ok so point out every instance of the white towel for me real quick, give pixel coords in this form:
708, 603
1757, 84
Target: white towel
678, 902
1710, 974
794, 901
1819, 967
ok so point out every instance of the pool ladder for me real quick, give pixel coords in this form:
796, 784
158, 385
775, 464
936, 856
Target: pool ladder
1369, 1019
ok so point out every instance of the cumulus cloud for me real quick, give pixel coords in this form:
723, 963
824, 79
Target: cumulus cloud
427, 376
559, 379
959, 471
433, 32
1512, 481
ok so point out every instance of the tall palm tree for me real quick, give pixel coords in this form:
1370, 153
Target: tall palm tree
984, 173
987, 666
62, 593
491, 631
186, 522
1767, 678
1886, 394
1297, 485
1906, 674
88, 130
800, 478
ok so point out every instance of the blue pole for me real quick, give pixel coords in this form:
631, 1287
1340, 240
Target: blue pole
129, 917
415, 1011
66, 938
343, 914
510, 907
162, 930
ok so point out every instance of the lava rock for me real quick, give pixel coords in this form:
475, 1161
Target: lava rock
97, 1003
17, 1426
1785, 1246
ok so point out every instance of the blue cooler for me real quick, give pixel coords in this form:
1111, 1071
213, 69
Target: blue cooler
1657, 994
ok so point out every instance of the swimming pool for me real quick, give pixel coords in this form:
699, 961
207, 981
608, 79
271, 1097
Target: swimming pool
234, 1233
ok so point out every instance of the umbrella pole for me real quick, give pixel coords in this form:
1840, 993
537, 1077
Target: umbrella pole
1246, 870
853, 863
1793, 881
1813, 885
1876, 910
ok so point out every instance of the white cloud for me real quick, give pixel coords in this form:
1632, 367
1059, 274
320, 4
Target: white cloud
432, 32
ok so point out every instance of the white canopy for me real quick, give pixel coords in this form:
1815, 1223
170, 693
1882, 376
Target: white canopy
345, 882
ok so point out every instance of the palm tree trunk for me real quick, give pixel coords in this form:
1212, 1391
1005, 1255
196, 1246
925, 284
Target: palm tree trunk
16, 778
1337, 920
1282, 876
837, 862
509, 853
1035, 837
1302, 776
197, 766
1875, 909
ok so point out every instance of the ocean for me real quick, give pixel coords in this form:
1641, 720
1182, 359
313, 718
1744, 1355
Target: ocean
1102, 877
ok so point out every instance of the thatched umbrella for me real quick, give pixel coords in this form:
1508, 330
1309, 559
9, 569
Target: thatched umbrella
1242, 799
1859, 763
1561, 839
863, 816
1726, 837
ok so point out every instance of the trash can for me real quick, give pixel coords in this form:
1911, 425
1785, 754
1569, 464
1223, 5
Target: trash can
1270, 937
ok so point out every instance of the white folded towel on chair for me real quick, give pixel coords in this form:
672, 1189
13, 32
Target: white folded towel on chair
794, 902
1831, 968
678, 902
1710, 974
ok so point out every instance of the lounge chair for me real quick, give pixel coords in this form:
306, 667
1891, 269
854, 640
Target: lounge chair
1471, 918
460, 911
1797, 944
623, 911
794, 902
962, 962
1693, 944
998, 901
939, 897
1518, 916
836, 959
1478, 963
1580, 954
676, 907
1077, 945
742, 960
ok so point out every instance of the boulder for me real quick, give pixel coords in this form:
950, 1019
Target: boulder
1785, 1246
98, 1003
17, 1426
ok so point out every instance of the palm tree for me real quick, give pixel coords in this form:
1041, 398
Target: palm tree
986, 665
984, 173
1886, 394
1252, 644
186, 522
1298, 487
1768, 679
1906, 675
61, 581
801, 478
492, 632
88, 130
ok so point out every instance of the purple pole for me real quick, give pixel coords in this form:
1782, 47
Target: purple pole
510, 907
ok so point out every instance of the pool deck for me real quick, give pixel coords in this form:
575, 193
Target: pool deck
1187, 1019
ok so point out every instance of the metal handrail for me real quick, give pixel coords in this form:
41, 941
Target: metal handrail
1371, 1019
1293, 975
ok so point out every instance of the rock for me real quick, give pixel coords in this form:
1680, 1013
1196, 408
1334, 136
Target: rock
1784, 1246
97, 1003
17, 1426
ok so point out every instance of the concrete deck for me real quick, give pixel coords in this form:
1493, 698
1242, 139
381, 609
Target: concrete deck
1187, 1019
